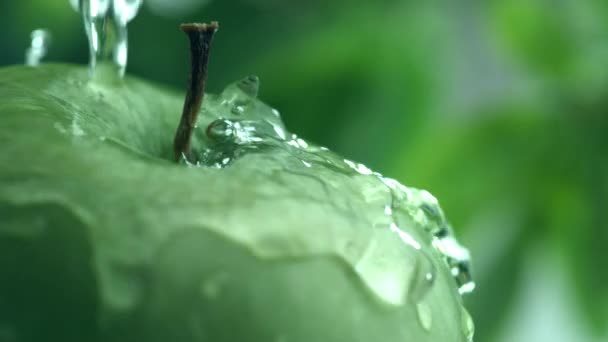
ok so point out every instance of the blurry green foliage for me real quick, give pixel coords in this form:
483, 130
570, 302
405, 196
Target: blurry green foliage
497, 107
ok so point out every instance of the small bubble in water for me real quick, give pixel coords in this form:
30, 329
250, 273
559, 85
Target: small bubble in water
40, 42
220, 130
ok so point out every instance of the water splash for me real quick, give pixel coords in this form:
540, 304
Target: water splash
39, 46
105, 23
228, 134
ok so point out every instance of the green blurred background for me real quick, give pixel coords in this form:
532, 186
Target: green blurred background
499, 108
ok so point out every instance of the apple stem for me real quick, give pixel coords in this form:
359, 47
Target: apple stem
200, 36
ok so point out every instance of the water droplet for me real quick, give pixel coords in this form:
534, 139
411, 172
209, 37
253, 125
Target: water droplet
405, 237
467, 287
431, 210
302, 143
74, 129
293, 143
423, 278
458, 260
235, 132
425, 315
467, 325
39, 45
105, 23
184, 160
250, 85
238, 110
279, 131
220, 130
388, 210
399, 193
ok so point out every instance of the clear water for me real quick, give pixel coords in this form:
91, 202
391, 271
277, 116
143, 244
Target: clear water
105, 23
235, 124
39, 46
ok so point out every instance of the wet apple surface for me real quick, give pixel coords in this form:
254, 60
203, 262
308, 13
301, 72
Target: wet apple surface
262, 237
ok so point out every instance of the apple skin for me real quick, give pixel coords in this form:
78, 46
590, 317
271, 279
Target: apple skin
104, 238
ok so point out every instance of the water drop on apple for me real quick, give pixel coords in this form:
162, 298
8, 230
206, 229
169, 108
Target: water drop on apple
39, 45
425, 315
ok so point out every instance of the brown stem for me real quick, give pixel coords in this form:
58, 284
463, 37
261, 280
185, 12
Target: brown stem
200, 36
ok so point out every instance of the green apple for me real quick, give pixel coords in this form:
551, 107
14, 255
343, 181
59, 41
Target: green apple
104, 237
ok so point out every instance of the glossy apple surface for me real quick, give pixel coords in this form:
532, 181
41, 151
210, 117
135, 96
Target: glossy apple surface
104, 238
